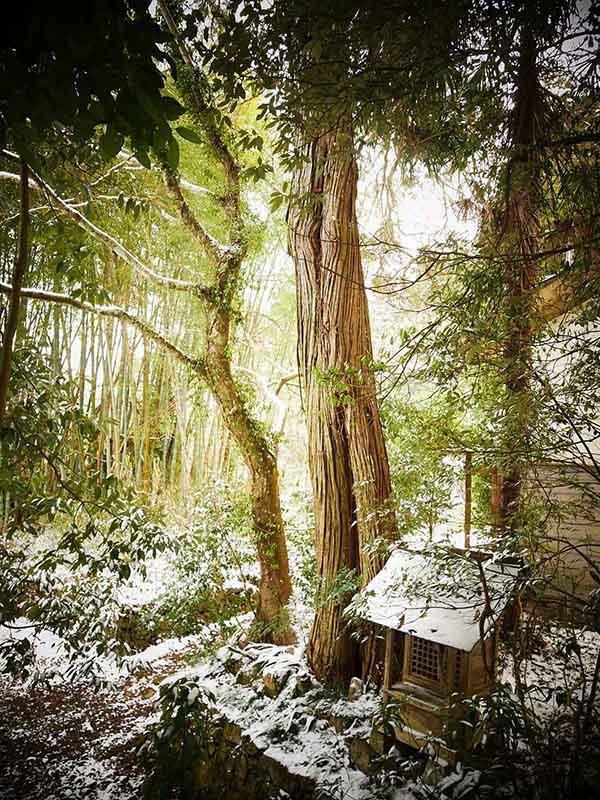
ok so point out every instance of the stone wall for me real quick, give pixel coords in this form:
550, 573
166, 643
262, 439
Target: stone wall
262, 728
234, 768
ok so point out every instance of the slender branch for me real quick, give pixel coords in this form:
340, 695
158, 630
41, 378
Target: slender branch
195, 189
215, 249
79, 204
284, 380
592, 698
485, 615
222, 151
571, 141
113, 244
111, 311
21, 262
14, 176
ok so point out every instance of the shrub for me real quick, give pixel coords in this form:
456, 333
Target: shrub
174, 747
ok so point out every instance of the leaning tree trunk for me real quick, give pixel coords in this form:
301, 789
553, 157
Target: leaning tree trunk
275, 587
347, 455
518, 235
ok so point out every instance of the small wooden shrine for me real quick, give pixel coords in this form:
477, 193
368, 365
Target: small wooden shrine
441, 640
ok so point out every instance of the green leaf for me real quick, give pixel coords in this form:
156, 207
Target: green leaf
189, 134
111, 142
172, 64
144, 159
173, 153
314, 47
276, 200
172, 109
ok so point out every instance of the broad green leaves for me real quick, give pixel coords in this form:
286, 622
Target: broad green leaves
173, 153
111, 143
171, 108
189, 135
77, 67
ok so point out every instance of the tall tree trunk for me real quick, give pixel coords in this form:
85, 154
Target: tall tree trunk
146, 481
347, 455
518, 244
275, 586
19, 271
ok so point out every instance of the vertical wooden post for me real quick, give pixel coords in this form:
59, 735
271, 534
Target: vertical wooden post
468, 499
444, 667
387, 668
496, 497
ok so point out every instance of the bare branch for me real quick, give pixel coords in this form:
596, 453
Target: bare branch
113, 244
110, 311
14, 176
286, 379
195, 189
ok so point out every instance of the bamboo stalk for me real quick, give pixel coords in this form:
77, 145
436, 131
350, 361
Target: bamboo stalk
468, 498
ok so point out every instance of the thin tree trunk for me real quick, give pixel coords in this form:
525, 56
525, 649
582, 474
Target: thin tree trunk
275, 586
19, 271
468, 499
146, 441
83, 354
518, 242
125, 388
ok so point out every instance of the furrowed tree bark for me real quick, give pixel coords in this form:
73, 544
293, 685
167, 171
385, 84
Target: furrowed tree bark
518, 242
14, 306
347, 455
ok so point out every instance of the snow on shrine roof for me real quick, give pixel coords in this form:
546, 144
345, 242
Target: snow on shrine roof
439, 601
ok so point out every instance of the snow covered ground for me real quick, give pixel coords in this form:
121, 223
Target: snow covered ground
61, 739
64, 740
559, 668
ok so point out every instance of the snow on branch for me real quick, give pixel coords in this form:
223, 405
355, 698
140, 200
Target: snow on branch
113, 244
110, 311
